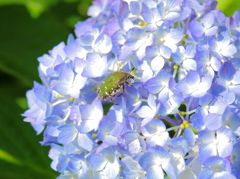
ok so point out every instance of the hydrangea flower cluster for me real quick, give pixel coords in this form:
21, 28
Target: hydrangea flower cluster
180, 118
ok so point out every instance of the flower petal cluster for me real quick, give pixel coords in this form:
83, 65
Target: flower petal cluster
180, 114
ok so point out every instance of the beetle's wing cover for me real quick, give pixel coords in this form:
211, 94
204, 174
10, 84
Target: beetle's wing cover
110, 82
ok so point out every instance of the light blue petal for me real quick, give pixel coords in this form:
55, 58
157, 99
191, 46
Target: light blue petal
189, 64
205, 84
103, 44
86, 111
153, 85
66, 75
213, 121
144, 111
74, 50
165, 51
62, 88
98, 109
151, 101
184, 87
196, 28
190, 136
62, 163
87, 126
147, 160
215, 63
97, 161
206, 99
85, 142
223, 39
79, 65
87, 40
208, 20
133, 43
155, 172
229, 50
110, 140
218, 106
174, 36
227, 71
212, 31
171, 16
207, 150
151, 51
193, 78
112, 169
190, 51
68, 133
134, 147
135, 7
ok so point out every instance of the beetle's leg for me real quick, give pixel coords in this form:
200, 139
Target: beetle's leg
112, 99
123, 90
129, 84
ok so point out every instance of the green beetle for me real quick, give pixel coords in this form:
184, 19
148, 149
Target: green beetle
113, 84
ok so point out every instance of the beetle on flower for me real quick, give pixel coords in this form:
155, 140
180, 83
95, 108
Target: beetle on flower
113, 84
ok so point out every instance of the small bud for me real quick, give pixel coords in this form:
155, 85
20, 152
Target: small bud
175, 67
94, 135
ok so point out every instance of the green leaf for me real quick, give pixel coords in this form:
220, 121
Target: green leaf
24, 39
228, 6
35, 7
21, 155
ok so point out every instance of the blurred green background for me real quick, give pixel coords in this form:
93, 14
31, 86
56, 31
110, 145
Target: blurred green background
28, 29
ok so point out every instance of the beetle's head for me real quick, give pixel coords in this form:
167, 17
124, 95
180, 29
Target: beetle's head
130, 76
